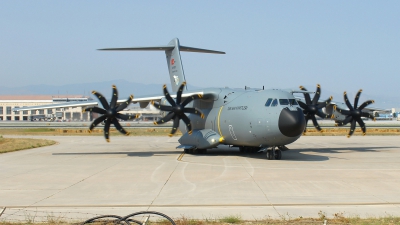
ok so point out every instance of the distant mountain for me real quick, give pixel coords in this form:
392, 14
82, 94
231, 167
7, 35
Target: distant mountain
125, 88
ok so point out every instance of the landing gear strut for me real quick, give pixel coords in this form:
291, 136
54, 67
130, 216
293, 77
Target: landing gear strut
274, 153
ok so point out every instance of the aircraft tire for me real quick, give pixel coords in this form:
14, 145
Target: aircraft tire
278, 154
270, 154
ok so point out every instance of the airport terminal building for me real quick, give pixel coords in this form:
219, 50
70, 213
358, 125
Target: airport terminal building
9, 102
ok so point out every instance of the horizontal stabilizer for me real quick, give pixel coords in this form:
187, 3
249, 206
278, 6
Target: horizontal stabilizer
163, 48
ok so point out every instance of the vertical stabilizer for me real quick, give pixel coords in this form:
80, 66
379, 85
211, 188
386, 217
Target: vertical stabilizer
175, 68
172, 51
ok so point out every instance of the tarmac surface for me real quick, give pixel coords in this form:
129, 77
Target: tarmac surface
84, 176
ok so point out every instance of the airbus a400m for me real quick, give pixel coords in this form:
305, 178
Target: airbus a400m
251, 119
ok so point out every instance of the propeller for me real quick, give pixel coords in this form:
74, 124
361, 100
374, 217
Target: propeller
110, 113
176, 110
312, 108
354, 114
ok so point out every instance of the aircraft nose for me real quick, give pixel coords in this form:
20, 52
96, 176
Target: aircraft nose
291, 123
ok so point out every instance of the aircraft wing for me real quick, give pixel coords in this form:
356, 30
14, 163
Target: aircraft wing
145, 100
60, 105
142, 100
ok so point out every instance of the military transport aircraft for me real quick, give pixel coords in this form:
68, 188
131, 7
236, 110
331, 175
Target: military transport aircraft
251, 119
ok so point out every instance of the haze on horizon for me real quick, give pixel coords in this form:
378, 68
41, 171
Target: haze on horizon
342, 45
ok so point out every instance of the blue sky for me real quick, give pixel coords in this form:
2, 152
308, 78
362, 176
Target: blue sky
343, 45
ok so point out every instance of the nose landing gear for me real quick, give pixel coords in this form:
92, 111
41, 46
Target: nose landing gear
274, 153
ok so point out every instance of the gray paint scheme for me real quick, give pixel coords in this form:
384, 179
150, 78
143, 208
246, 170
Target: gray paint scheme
235, 117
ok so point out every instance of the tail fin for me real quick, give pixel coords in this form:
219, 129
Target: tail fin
172, 51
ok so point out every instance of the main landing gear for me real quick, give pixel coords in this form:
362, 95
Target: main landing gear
274, 153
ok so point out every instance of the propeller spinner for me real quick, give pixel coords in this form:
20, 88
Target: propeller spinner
110, 113
177, 109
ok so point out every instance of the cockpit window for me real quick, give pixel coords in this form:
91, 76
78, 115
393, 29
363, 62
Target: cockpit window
293, 102
275, 102
268, 102
283, 101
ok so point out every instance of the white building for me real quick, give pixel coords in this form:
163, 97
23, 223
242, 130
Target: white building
9, 102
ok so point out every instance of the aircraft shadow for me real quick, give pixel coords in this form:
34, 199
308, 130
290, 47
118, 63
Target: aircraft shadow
290, 155
136, 154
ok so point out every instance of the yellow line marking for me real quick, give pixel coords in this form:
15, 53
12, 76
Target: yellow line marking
181, 156
219, 114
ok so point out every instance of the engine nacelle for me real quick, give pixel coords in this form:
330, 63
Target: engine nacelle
201, 139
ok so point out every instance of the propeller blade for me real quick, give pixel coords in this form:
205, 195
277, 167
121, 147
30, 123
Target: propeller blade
317, 94
95, 109
367, 115
179, 93
114, 97
175, 126
96, 122
357, 98
345, 121
316, 125
323, 115
303, 105
107, 130
119, 127
102, 100
162, 107
124, 104
362, 125
343, 111
306, 95
127, 117
352, 128
191, 98
168, 96
346, 100
194, 111
166, 118
188, 124
324, 104
365, 104
305, 127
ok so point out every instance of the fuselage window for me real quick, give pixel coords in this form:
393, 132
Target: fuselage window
275, 102
283, 101
293, 102
268, 103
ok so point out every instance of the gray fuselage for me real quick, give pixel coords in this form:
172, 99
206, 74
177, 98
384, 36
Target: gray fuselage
242, 118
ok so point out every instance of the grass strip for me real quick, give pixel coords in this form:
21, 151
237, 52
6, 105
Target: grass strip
16, 144
80, 131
